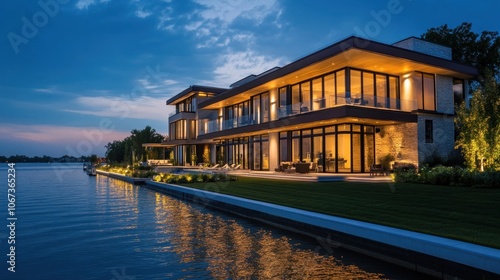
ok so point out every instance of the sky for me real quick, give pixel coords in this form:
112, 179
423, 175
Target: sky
75, 75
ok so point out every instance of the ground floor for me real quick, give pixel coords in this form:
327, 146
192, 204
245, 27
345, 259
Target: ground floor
339, 148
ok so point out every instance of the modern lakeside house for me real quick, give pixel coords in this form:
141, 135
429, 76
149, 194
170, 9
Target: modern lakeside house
342, 108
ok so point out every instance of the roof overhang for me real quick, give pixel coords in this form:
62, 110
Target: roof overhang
192, 90
352, 52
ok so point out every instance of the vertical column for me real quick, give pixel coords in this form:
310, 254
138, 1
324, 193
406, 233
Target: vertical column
273, 150
273, 99
213, 154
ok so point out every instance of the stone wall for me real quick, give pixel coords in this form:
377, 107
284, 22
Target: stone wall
443, 136
444, 95
399, 140
419, 45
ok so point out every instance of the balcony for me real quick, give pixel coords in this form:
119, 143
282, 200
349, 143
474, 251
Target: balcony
185, 115
347, 99
370, 101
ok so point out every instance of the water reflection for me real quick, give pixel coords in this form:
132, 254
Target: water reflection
232, 251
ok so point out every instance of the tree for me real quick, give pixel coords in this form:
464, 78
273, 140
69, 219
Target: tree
121, 151
93, 158
479, 126
139, 137
481, 51
115, 151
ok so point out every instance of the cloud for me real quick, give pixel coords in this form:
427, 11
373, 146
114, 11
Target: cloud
142, 13
212, 22
52, 89
144, 107
226, 12
84, 4
237, 65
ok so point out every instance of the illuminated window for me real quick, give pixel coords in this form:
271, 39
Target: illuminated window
426, 93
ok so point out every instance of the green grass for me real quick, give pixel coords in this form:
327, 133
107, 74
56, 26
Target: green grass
468, 214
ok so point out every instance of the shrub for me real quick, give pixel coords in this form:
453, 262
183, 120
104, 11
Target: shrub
385, 161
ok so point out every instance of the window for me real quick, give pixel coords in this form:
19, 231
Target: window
355, 84
393, 93
295, 99
264, 107
256, 109
329, 85
381, 91
305, 92
283, 107
340, 79
429, 93
428, 132
425, 90
458, 91
178, 130
261, 108
317, 94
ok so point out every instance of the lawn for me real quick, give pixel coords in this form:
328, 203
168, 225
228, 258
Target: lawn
468, 214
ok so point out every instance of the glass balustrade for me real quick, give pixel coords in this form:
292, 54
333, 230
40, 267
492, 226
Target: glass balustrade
341, 99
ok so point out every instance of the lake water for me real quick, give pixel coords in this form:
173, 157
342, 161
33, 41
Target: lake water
72, 226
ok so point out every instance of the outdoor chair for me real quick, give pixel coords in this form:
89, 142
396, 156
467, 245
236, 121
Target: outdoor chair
237, 167
214, 167
377, 169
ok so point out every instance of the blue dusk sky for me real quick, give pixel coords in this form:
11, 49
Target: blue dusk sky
75, 75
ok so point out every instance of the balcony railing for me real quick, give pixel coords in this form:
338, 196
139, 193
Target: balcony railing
209, 126
347, 99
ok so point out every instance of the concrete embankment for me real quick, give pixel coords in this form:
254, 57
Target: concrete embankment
436, 256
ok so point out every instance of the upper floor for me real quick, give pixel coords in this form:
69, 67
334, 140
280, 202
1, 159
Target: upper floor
381, 81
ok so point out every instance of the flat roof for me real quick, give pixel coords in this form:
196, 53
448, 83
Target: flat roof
355, 52
194, 88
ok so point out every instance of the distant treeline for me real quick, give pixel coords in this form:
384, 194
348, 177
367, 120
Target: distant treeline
23, 158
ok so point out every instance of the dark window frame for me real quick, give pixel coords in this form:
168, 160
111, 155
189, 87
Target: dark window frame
429, 131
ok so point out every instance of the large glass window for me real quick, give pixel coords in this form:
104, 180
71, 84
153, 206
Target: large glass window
381, 91
429, 92
256, 109
178, 130
264, 99
284, 153
261, 152
283, 95
394, 102
344, 152
296, 149
318, 154
256, 154
425, 91
330, 152
306, 148
356, 152
265, 154
295, 99
305, 91
340, 79
368, 89
317, 94
329, 85
355, 84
